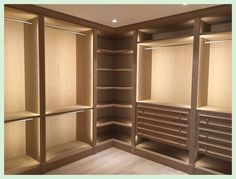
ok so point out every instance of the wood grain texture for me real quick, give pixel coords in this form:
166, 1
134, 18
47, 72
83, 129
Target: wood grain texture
14, 139
144, 72
60, 68
14, 67
220, 75
171, 74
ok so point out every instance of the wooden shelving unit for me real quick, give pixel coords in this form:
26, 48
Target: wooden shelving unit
115, 66
21, 91
69, 98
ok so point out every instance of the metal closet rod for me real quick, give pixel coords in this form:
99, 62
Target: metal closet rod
65, 29
156, 47
17, 20
217, 41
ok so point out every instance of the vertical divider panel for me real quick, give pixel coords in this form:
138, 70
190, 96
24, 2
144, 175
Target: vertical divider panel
193, 113
42, 92
84, 85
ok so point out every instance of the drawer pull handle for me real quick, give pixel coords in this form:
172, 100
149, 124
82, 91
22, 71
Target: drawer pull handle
207, 120
179, 142
180, 116
206, 149
207, 135
179, 130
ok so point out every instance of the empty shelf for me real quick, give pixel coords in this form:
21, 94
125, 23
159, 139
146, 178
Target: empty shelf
170, 151
149, 101
115, 52
119, 105
215, 164
107, 136
66, 109
121, 121
20, 164
113, 87
214, 109
16, 116
115, 70
65, 150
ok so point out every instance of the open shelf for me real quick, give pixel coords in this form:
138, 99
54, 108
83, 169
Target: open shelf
65, 150
149, 101
164, 149
114, 87
116, 120
67, 109
112, 104
115, 52
215, 73
16, 116
164, 71
115, 69
218, 165
20, 164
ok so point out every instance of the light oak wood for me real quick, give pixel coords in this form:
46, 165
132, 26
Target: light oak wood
171, 74
15, 116
18, 14
20, 164
66, 109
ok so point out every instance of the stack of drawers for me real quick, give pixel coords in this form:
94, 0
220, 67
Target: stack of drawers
163, 124
215, 135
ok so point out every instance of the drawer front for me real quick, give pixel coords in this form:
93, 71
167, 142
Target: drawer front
215, 135
169, 126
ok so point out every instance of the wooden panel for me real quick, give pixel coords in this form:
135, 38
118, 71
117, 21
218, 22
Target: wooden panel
14, 140
220, 75
60, 129
60, 68
203, 73
31, 66
18, 14
32, 139
171, 74
84, 78
144, 71
14, 67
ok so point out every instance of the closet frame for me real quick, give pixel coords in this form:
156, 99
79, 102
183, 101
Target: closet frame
199, 26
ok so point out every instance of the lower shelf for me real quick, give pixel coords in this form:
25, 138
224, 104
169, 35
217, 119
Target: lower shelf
20, 164
114, 120
218, 165
170, 151
65, 150
114, 135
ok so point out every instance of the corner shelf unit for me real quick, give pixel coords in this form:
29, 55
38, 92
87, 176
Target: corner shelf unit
114, 106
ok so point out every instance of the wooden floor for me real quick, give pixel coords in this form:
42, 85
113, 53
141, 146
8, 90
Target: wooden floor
115, 161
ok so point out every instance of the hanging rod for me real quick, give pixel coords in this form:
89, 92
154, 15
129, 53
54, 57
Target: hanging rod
66, 30
153, 48
17, 20
217, 41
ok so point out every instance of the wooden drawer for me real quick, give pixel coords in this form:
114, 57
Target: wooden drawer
215, 135
167, 125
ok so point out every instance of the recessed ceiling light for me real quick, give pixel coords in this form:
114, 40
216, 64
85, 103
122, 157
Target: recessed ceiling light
114, 21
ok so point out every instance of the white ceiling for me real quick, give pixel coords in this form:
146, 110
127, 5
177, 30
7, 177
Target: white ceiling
125, 14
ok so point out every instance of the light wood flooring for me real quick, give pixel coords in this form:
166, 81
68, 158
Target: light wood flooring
115, 161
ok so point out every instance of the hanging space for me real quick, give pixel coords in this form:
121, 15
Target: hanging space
164, 75
69, 92
21, 92
214, 116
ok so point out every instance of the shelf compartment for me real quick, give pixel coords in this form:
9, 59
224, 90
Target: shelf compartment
20, 164
116, 120
120, 133
65, 150
222, 166
215, 73
21, 146
115, 52
16, 116
170, 151
67, 109
114, 87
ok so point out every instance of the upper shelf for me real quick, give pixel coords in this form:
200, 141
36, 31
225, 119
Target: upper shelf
18, 14
214, 109
115, 52
17, 116
168, 42
67, 109
217, 36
